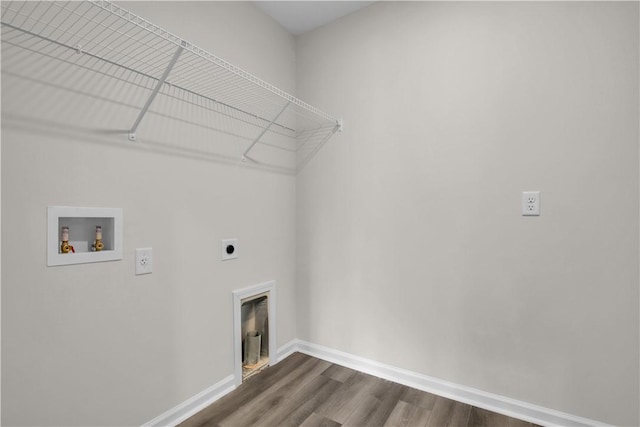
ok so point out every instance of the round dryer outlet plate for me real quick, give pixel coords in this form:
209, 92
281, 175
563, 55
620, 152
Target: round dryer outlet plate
229, 249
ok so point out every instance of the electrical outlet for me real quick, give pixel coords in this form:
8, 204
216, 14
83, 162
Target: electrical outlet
531, 203
144, 261
229, 249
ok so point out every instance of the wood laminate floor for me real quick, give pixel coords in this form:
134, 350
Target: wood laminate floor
305, 391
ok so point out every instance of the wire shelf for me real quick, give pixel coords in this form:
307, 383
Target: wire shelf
99, 37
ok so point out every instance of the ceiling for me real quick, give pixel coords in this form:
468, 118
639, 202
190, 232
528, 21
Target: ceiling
298, 17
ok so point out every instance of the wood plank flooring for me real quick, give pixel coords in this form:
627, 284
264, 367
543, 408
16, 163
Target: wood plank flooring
305, 391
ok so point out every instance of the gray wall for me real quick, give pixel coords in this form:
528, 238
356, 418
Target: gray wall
412, 250
94, 344
410, 245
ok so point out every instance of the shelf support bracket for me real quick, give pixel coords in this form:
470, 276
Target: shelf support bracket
255, 141
156, 89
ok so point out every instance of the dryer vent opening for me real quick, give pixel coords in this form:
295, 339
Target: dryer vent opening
254, 330
254, 334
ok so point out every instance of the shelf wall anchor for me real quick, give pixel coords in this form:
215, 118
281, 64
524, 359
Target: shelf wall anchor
156, 89
255, 141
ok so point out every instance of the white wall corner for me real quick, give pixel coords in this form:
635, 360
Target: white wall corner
288, 349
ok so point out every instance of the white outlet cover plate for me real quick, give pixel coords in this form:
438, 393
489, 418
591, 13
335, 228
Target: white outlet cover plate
144, 261
530, 203
225, 243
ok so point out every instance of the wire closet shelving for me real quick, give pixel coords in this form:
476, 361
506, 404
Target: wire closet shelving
99, 36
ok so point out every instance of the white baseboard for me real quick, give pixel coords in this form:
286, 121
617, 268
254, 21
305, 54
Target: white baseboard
489, 401
482, 399
287, 350
193, 405
197, 403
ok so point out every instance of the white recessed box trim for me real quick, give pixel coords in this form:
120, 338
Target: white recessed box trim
245, 294
83, 232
